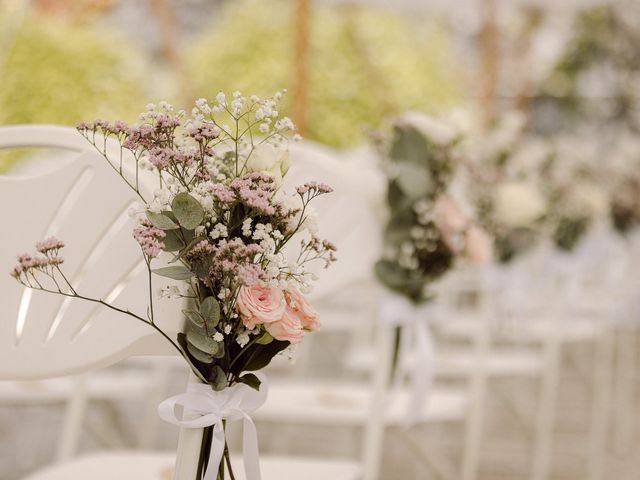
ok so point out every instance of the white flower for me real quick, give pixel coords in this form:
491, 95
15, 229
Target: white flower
219, 231
437, 131
221, 99
242, 339
227, 329
586, 198
269, 159
218, 337
246, 227
518, 204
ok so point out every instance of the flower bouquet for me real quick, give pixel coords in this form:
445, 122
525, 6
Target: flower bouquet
220, 222
427, 229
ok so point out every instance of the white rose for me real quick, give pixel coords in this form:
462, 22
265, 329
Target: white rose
517, 204
589, 199
436, 130
268, 159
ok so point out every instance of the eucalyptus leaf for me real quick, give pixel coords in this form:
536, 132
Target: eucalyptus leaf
187, 210
259, 356
160, 220
172, 241
210, 311
217, 379
176, 272
414, 180
202, 342
199, 354
251, 380
194, 317
409, 145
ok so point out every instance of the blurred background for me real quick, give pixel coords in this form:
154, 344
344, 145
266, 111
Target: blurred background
540, 348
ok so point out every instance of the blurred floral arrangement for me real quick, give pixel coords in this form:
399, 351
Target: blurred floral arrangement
427, 230
364, 64
576, 201
222, 222
504, 166
55, 71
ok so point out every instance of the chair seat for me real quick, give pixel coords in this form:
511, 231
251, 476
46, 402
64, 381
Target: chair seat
116, 385
534, 330
347, 404
463, 362
159, 466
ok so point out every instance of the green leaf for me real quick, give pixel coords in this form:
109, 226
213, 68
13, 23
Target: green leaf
259, 356
187, 210
217, 379
210, 311
251, 380
199, 354
414, 180
409, 145
177, 272
160, 220
202, 342
220, 352
194, 317
172, 241
265, 339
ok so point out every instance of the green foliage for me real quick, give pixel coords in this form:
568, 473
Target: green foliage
364, 64
187, 210
177, 272
54, 72
162, 221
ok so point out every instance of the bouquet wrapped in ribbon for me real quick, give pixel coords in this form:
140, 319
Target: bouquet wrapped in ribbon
217, 226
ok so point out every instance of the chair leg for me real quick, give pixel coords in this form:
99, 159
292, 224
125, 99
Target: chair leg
543, 440
72, 424
601, 400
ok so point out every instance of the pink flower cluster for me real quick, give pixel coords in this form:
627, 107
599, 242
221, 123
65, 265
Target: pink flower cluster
286, 315
49, 257
162, 158
229, 258
49, 244
256, 190
150, 239
315, 188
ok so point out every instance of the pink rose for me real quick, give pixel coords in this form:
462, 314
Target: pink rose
309, 317
478, 245
288, 328
258, 304
449, 216
451, 221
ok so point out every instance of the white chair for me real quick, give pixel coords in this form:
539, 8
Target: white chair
85, 203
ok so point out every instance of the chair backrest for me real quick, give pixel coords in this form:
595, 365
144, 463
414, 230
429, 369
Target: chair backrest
348, 219
85, 204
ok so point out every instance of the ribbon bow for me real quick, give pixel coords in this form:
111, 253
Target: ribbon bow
203, 407
396, 310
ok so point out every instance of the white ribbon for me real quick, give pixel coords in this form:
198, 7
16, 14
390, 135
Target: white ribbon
397, 310
203, 407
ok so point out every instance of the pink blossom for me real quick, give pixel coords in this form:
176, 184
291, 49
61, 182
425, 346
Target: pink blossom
250, 274
314, 187
259, 305
478, 245
150, 239
288, 328
51, 243
299, 306
223, 193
